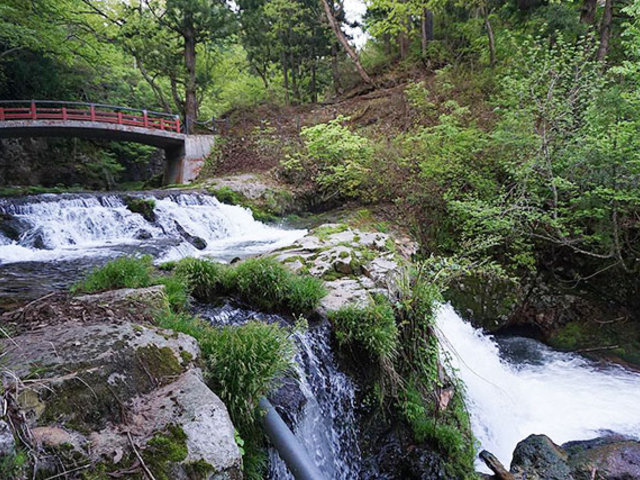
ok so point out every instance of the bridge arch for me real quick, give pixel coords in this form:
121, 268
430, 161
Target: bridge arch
184, 154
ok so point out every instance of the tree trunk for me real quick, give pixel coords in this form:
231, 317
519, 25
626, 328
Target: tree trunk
337, 87
427, 29
492, 41
314, 88
190, 100
605, 31
345, 43
293, 68
285, 75
403, 44
588, 12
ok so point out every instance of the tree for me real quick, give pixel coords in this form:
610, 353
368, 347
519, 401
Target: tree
337, 30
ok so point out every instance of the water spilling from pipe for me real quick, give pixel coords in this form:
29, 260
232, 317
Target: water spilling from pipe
517, 386
326, 427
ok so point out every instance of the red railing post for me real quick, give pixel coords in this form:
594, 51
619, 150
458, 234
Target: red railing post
64, 113
92, 110
161, 123
178, 123
119, 118
145, 119
2, 114
34, 115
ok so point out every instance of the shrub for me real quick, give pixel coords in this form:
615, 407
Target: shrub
123, 272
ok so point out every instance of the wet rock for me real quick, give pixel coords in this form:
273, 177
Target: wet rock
143, 234
485, 300
35, 239
537, 457
197, 242
610, 457
101, 387
12, 227
153, 297
7, 442
289, 401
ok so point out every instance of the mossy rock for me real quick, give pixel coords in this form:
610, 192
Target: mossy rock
143, 206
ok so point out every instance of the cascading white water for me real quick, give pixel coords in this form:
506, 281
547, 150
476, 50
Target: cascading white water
327, 426
59, 228
536, 391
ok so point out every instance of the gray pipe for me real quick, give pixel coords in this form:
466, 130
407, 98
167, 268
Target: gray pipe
294, 455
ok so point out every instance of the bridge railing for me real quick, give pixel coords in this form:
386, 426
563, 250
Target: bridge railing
87, 112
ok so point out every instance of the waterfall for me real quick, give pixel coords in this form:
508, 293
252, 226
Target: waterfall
327, 426
517, 386
63, 227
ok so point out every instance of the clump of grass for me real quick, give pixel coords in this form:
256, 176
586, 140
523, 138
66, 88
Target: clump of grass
176, 291
123, 272
242, 364
372, 327
204, 279
262, 282
247, 361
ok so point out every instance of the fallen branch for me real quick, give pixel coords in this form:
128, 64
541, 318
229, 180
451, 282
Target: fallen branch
144, 465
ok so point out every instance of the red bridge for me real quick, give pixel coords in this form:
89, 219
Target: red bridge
184, 154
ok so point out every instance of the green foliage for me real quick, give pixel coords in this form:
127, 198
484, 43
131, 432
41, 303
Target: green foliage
247, 361
13, 465
262, 282
123, 272
334, 157
268, 284
373, 328
143, 206
205, 279
176, 291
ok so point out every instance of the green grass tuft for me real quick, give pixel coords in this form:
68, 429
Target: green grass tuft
123, 272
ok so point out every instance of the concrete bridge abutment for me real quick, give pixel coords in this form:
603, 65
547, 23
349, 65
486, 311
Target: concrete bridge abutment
184, 162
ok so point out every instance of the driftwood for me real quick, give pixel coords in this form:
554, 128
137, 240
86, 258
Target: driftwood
496, 467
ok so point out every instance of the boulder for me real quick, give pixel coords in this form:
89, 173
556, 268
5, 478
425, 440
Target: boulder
197, 242
537, 457
612, 457
121, 397
12, 227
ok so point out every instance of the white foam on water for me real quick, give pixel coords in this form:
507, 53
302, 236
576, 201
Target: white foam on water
561, 395
58, 228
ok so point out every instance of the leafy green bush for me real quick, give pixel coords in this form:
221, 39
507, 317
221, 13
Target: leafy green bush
123, 272
334, 157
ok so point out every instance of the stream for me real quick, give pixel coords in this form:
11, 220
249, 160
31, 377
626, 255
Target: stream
515, 386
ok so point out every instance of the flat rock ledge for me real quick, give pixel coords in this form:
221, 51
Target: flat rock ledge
116, 398
354, 264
